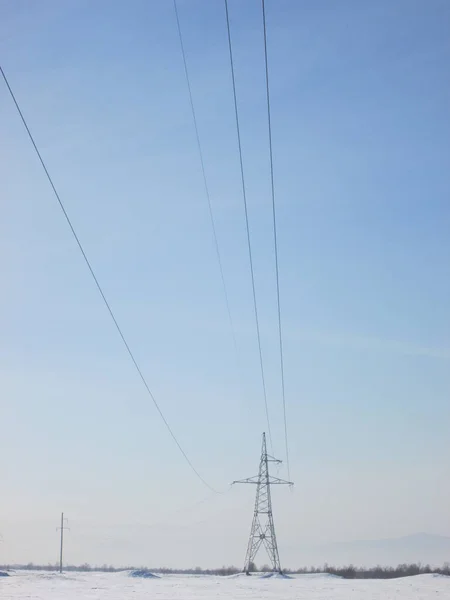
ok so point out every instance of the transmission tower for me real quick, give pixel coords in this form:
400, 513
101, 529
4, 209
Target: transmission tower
263, 529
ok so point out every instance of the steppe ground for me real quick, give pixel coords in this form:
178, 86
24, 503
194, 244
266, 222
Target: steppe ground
120, 586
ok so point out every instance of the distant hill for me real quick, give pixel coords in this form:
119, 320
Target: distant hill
420, 547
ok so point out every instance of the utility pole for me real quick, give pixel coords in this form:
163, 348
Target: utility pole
263, 528
62, 528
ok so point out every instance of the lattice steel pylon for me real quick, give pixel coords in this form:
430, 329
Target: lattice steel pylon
263, 528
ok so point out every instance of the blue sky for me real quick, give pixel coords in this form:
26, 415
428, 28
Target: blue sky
361, 131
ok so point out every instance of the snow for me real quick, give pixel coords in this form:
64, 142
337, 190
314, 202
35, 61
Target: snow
275, 576
143, 573
119, 586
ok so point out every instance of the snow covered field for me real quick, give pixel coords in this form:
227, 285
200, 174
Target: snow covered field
118, 586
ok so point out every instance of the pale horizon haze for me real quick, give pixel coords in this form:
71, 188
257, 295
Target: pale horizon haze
360, 99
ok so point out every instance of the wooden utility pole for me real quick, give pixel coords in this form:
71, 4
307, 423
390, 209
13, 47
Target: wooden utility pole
62, 542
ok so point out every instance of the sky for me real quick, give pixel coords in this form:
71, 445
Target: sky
360, 95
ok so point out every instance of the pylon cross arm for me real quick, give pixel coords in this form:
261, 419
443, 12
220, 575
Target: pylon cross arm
254, 479
277, 481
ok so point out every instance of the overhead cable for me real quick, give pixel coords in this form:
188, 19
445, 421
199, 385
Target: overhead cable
249, 245
100, 290
205, 181
275, 239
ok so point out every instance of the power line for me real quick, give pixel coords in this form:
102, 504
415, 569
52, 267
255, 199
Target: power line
185, 508
275, 239
244, 195
205, 181
100, 290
